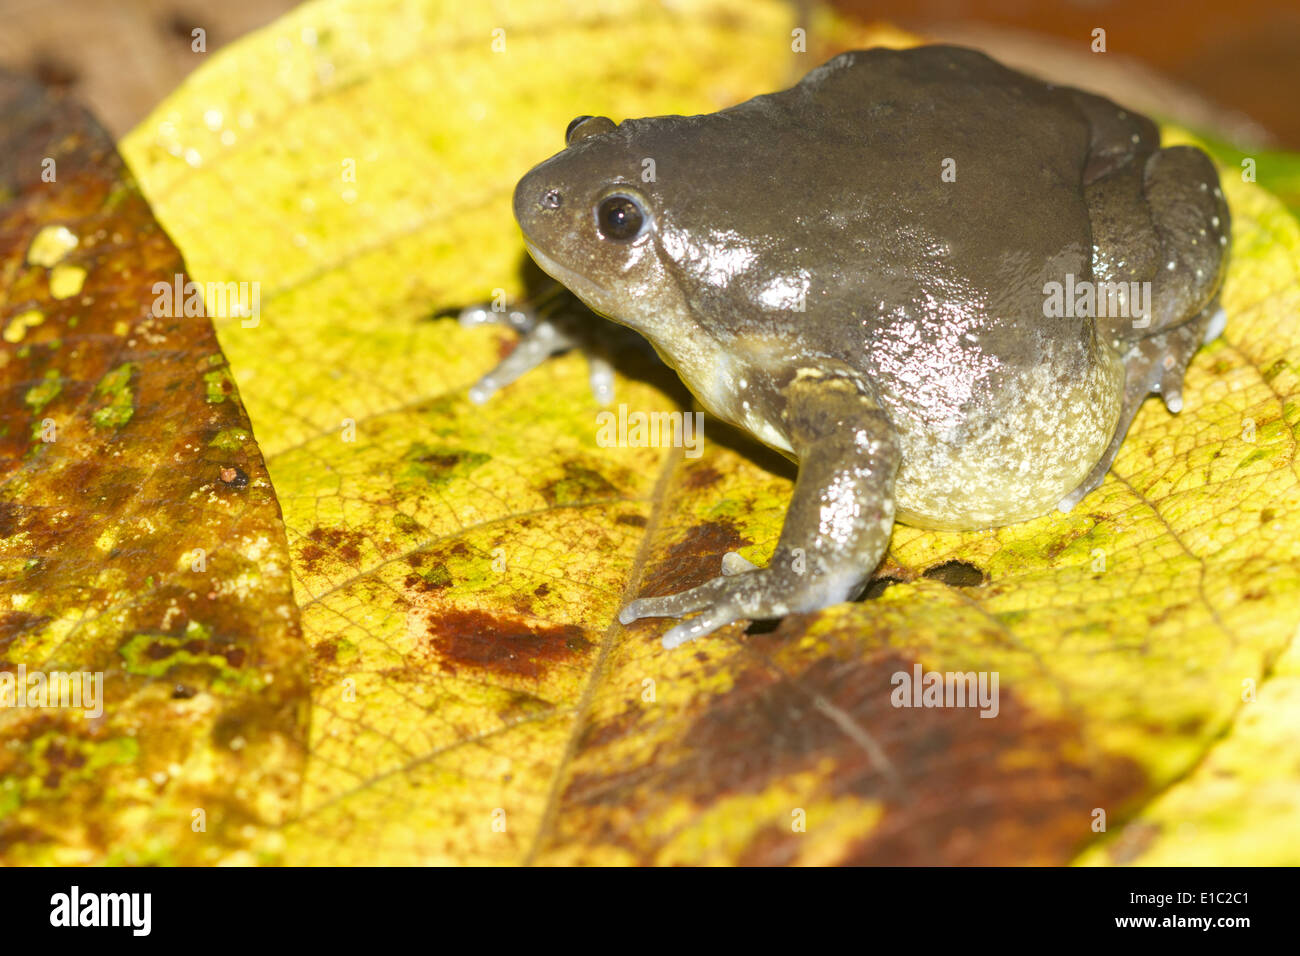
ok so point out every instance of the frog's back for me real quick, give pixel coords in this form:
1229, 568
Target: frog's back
940, 192
881, 177
997, 405
940, 155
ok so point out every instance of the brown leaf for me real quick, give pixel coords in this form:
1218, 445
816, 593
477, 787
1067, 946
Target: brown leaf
139, 537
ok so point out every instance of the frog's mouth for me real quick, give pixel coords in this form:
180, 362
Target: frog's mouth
682, 344
589, 292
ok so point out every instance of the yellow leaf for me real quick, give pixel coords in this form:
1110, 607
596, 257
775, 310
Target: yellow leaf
459, 568
1238, 806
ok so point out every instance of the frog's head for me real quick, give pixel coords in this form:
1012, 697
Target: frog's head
662, 225
589, 220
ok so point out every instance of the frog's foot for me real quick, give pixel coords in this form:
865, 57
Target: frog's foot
837, 525
521, 320
1154, 364
540, 339
742, 592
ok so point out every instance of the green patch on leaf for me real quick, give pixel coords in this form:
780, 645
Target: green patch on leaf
159, 655
230, 439
116, 387
438, 466
38, 396
219, 385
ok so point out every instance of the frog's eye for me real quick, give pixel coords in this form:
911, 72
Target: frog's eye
620, 218
584, 126
573, 124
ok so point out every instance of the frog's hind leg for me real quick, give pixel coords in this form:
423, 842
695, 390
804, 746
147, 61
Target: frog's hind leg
1163, 217
1153, 364
1192, 225
1168, 226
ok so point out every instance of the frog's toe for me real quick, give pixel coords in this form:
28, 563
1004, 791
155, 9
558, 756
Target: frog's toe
699, 626
539, 339
1169, 383
521, 319
1166, 369
734, 563
715, 600
673, 605
741, 594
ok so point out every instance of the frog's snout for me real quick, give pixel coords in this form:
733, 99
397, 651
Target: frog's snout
534, 201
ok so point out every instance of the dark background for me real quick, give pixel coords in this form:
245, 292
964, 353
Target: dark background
1236, 60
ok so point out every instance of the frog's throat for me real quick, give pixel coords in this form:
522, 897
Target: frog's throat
592, 295
663, 325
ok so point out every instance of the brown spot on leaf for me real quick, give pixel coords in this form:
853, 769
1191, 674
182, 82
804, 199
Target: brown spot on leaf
438, 466
481, 641
1035, 808
600, 733
14, 623
701, 476
957, 574
343, 542
695, 559
10, 514
435, 578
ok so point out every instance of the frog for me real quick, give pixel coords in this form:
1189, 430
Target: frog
857, 272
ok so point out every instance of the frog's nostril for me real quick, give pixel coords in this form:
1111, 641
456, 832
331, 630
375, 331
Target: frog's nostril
551, 199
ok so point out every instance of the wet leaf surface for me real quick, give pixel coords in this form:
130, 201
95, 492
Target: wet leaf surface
459, 569
135, 542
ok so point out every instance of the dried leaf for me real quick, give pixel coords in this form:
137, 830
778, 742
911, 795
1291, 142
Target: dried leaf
134, 544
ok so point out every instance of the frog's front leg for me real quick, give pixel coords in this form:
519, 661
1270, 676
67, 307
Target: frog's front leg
540, 338
837, 526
